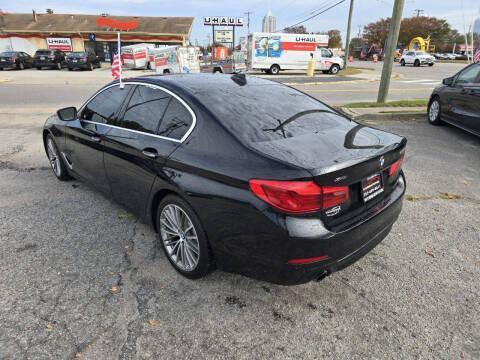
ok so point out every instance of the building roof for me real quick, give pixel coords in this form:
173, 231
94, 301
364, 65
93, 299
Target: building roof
68, 23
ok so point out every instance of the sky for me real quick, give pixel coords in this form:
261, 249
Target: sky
287, 12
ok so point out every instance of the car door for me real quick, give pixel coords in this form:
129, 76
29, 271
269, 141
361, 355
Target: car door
141, 141
462, 98
84, 143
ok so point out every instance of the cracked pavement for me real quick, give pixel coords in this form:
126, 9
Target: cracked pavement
81, 278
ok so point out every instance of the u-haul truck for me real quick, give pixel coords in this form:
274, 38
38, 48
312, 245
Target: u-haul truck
175, 59
272, 52
136, 56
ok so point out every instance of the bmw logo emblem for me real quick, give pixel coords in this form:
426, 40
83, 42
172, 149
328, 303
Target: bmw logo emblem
381, 161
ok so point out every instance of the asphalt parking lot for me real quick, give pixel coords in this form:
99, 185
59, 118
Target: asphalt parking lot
83, 278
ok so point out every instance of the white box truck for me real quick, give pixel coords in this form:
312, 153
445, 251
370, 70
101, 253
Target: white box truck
273, 52
136, 56
175, 59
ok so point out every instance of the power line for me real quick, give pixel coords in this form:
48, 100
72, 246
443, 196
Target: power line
315, 15
418, 11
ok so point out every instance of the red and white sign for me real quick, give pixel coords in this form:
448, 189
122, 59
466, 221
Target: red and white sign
63, 44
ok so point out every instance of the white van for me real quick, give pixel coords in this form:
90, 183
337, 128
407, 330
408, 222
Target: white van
272, 52
175, 59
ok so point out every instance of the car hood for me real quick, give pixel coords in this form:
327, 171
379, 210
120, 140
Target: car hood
333, 149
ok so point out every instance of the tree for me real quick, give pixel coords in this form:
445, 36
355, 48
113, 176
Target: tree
423, 26
334, 39
356, 42
49, 11
296, 30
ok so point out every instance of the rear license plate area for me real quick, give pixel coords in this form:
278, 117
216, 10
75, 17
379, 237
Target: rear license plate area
372, 186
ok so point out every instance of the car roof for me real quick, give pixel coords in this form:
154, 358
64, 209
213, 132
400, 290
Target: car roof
193, 83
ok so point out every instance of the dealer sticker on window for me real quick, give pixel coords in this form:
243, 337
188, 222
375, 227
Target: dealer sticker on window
371, 187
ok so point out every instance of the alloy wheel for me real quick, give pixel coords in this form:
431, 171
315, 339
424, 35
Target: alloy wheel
433, 111
179, 237
53, 157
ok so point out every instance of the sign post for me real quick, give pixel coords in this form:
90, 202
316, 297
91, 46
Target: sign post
222, 21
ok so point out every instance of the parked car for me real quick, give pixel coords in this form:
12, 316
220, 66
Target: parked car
440, 56
456, 101
237, 172
49, 58
417, 58
15, 60
82, 60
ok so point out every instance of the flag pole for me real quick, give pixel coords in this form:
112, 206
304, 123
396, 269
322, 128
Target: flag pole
119, 59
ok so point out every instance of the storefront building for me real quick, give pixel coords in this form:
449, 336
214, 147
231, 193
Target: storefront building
29, 32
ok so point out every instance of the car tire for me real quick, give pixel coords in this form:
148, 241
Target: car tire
434, 111
56, 161
274, 69
187, 250
430, 64
402, 62
70, 69
39, 68
90, 67
416, 63
334, 69
21, 66
58, 66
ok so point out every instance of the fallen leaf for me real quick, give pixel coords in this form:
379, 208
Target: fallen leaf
114, 289
125, 215
410, 197
154, 322
449, 196
52, 325
78, 355
429, 252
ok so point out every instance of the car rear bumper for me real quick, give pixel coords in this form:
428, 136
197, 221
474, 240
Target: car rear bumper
7, 65
44, 63
80, 65
307, 238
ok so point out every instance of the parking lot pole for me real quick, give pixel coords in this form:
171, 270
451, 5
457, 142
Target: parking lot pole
119, 59
391, 47
347, 42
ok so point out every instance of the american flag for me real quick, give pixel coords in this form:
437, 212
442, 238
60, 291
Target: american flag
116, 68
476, 57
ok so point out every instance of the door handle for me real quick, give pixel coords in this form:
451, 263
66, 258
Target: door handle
95, 138
151, 153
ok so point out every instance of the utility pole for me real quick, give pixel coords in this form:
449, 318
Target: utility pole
418, 11
248, 13
391, 46
359, 30
347, 42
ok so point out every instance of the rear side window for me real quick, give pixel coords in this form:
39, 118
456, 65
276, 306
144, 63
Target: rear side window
176, 121
145, 109
105, 105
44, 52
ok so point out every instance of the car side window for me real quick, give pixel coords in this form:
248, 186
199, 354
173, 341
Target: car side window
105, 105
176, 121
409, 53
144, 110
469, 75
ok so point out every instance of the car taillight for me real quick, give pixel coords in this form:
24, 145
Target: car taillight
297, 197
396, 167
51, 56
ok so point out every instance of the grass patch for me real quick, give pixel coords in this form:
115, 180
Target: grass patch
351, 70
399, 103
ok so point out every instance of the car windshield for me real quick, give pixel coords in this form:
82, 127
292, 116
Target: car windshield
8, 53
260, 111
44, 52
77, 53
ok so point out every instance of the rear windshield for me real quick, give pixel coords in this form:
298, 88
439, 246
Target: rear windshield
267, 111
77, 53
8, 53
44, 52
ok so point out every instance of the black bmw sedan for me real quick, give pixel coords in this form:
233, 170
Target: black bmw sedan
457, 100
235, 172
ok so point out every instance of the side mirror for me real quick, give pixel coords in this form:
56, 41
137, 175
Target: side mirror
68, 113
447, 81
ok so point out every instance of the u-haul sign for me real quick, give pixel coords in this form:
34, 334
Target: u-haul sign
223, 20
63, 44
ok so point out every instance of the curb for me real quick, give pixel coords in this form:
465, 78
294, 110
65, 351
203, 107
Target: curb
394, 115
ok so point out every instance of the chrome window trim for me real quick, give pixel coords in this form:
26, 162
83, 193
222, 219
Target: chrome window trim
192, 113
